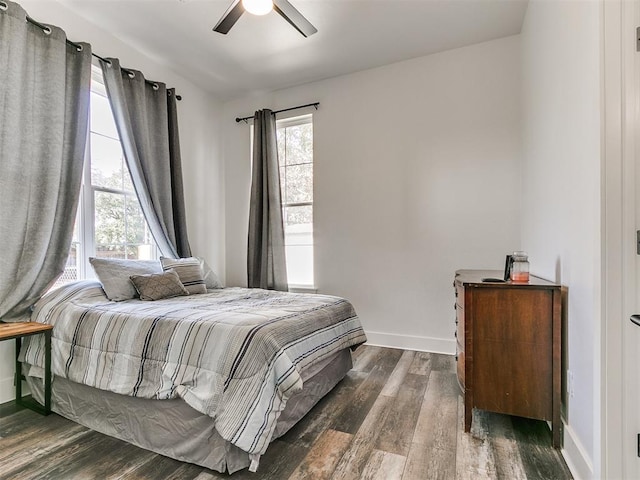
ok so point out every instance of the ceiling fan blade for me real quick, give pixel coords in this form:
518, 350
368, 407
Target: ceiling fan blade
294, 17
230, 17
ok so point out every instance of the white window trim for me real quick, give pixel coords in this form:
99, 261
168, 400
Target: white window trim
292, 122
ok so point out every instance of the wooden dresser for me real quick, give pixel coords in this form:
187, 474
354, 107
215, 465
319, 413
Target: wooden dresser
509, 347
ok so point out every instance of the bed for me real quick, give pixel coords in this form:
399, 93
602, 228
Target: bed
209, 379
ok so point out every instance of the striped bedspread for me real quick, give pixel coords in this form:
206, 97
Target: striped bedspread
234, 354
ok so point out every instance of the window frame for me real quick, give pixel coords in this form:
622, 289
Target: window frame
85, 214
306, 119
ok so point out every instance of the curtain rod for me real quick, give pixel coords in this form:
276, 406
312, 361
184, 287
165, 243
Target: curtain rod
315, 105
47, 29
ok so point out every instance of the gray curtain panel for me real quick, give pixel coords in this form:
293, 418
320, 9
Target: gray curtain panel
266, 263
44, 115
144, 115
177, 189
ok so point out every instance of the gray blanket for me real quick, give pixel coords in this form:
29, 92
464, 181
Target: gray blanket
234, 354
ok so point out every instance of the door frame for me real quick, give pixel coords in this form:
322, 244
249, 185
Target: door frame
619, 153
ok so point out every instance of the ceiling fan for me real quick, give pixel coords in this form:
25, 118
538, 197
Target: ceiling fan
262, 7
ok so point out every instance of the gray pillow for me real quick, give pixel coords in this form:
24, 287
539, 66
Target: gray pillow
155, 286
114, 274
189, 271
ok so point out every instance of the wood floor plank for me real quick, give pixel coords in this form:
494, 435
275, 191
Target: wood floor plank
185, 471
421, 364
437, 421
21, 419
538, 460
432, 453
443, 363
321, 461
31, 446
383, 465
353, 461
505, 447
396, 378
474, 457
366, 360
352, 415
326, 411
499, 447
278, 463
100, 464
31, 431
396, 434
156, 467
206, 476
54, 463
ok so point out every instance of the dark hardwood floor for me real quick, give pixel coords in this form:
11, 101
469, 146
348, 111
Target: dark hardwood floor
397, 415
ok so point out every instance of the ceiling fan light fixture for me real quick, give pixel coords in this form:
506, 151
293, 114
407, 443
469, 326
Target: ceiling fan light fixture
258, 7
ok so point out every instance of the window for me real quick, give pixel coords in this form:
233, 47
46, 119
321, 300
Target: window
110, 223
295, 155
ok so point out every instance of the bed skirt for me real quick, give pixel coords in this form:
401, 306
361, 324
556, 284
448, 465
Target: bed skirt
171, 427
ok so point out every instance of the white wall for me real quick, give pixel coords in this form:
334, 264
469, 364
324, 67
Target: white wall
417, 174
202, 167
561, 205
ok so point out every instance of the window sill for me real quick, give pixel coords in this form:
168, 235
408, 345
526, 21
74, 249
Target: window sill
302, 289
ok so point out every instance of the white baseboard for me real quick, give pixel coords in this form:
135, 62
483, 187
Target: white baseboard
407, 342
576, 456
7, 392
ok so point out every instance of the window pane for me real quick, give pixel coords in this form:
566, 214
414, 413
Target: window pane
299, 144
299, 183
136, 226
298, 216
101, 117
283, 185
110, 225
299, 265
70, 273
111, 251
107, 163
281, 135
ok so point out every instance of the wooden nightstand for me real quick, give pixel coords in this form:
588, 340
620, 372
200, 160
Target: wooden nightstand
18, 330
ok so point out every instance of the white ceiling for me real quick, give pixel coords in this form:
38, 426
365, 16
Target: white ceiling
266, 53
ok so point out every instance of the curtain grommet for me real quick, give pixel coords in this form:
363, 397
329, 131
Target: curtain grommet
79, 48
156, 86
47, 30
4, 6
131, 74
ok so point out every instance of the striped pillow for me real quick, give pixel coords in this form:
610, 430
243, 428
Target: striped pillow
189, 271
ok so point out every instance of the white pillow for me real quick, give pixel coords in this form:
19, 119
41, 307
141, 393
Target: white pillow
114, 274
